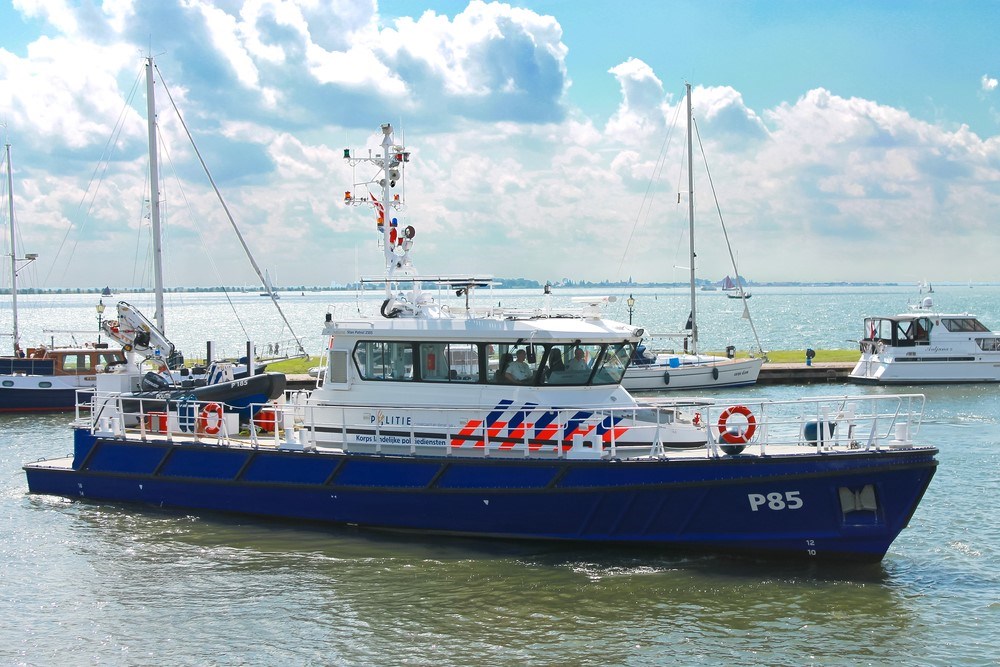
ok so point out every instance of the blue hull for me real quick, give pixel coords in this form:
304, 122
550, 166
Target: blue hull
788, 506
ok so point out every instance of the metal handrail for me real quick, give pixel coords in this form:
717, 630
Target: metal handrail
821, 423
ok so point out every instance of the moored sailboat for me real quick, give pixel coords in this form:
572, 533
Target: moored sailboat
668, 370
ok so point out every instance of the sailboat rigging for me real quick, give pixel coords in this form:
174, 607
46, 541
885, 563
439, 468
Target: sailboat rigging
152, 76
300, 348
652, 371
231, 389
43, 378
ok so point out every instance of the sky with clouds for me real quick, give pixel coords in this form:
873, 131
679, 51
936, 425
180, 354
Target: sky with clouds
846, 141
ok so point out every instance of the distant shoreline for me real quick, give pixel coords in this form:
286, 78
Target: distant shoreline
502, 283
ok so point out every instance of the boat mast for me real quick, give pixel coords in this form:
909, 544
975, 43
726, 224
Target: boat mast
154, 197
13, 251
694, 317
387, 246
396, 241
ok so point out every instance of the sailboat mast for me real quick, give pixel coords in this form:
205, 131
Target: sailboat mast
154, 197
694, 314
13, 251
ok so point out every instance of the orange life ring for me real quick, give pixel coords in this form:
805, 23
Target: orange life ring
206, 412
737, 437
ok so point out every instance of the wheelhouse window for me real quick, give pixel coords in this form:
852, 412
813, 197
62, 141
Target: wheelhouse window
572, 364
449, 362
111, 358
512, 364
378, 360
873, 329
900, 333
77, 363
566, 364
613, 362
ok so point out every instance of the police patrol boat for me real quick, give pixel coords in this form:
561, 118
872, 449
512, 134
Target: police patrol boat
438, 415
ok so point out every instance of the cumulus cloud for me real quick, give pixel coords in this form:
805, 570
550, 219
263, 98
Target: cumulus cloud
273, 90
988, 83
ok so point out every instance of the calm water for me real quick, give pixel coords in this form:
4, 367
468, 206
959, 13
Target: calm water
88, 583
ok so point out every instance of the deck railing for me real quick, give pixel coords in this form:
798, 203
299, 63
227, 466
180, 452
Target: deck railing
654, 428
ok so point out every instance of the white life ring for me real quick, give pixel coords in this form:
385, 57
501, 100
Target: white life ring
203, 427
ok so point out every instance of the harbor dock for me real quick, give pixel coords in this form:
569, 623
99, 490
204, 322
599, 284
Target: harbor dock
800, 373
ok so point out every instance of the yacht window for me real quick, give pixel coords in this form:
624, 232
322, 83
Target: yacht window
881, 330
904, 334
988, 344
922, 330
964, 324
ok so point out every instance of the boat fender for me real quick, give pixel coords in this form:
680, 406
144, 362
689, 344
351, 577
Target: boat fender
715, 372
666, 377
736, 437
203, 426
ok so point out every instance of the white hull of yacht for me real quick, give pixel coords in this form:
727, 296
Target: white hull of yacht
693, 372
890, 369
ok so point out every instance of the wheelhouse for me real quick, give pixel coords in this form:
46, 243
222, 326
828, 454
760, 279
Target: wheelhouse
571, 363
